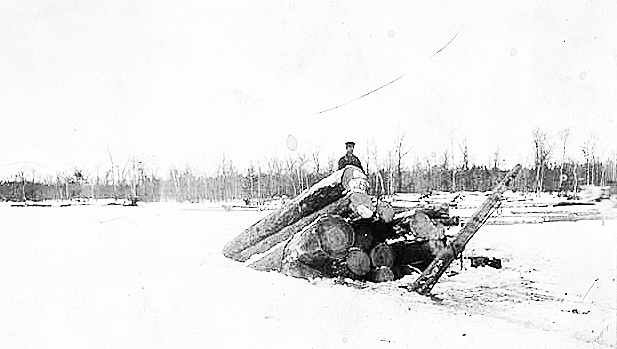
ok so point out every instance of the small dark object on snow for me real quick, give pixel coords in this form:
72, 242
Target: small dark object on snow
576, 311
495, 263
481, 261
133, 202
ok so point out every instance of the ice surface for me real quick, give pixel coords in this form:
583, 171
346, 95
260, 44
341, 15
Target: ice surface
154, 277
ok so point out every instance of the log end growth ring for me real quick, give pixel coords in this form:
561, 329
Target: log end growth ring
336, 236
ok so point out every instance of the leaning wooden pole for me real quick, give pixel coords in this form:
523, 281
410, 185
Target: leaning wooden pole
427, 280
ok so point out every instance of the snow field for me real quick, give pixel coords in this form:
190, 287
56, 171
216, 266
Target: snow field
154, 277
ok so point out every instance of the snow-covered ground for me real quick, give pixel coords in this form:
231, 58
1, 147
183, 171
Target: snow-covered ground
153, 277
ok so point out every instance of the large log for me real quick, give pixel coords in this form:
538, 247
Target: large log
382, 274
358, 261
425, 283
382, 255
320, 195
326, 239
335, 236
343, 207
271, 261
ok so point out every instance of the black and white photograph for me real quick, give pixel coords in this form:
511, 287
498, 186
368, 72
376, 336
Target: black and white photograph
308, 174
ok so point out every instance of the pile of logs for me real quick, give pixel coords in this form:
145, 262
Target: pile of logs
335, 229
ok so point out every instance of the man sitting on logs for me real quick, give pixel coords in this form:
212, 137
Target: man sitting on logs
349, 158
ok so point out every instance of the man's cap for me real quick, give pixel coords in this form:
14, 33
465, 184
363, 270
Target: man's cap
350, 143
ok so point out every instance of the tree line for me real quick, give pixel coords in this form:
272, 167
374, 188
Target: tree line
551, 171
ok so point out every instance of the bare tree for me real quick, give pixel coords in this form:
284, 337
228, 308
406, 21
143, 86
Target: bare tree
303, 159
291, 164
21, 175
401, 150
496, 159
429, 170
464, 153
464, 149
564, 135
95, 182
113, 171
315, 152
453, 178
444, 176
373, 153
367, 162
589, 153
543, 150
390, 169
332, 163
575, 174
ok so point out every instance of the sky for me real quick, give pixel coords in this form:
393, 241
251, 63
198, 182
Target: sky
191, 82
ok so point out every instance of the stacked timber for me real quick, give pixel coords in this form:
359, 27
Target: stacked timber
364, 249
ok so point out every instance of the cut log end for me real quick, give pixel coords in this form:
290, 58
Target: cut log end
361, 204
319, 246
385, 211
358, 261
382, 255
382, 274
336, 236
354, 180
